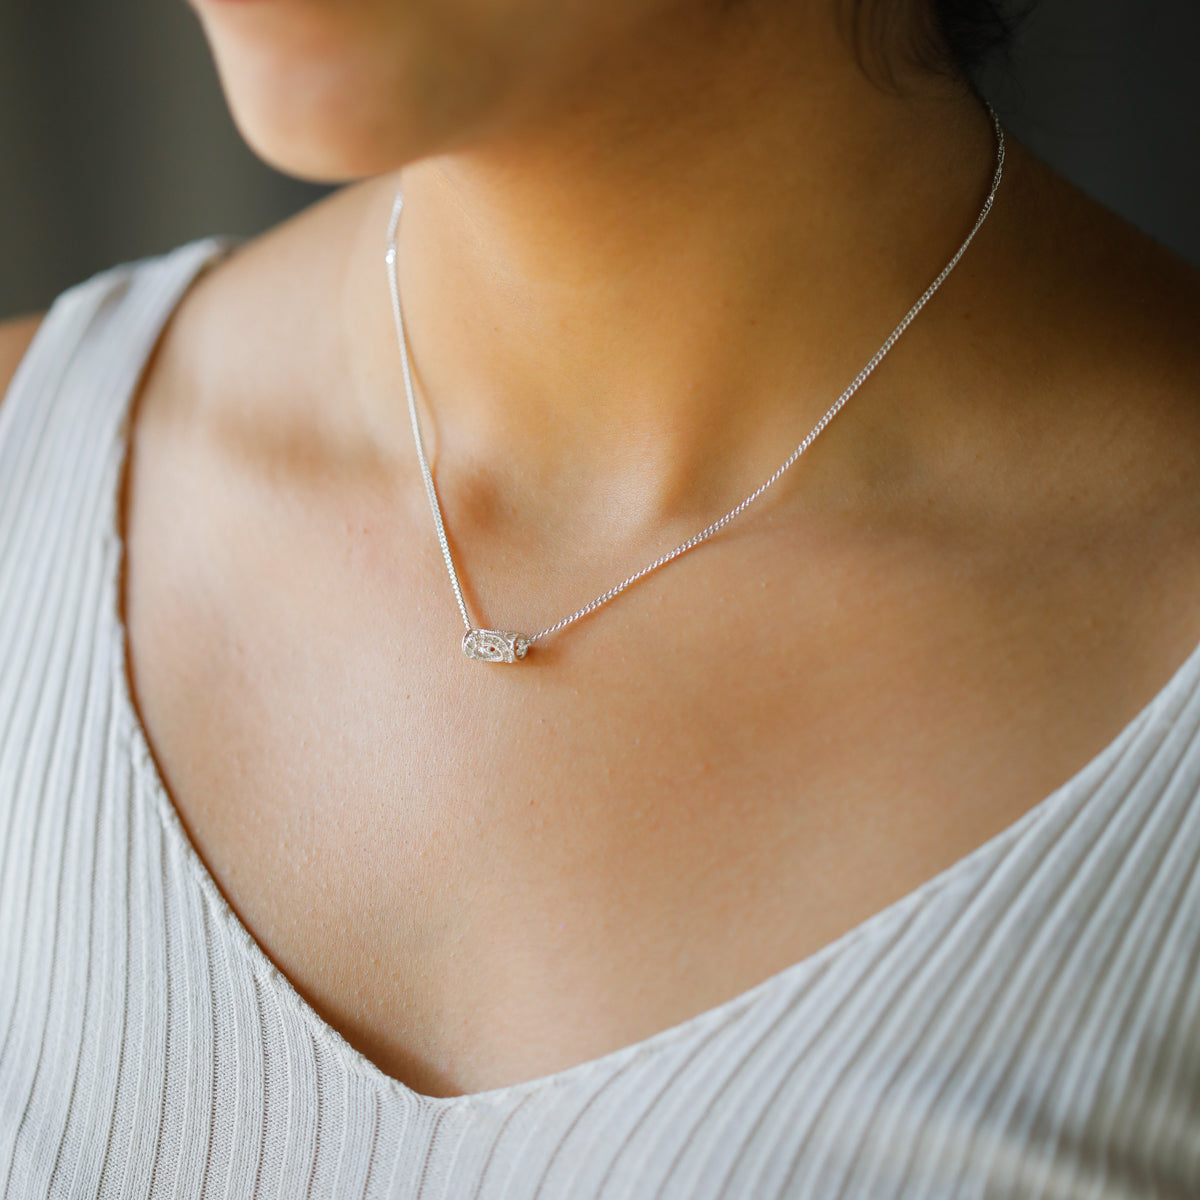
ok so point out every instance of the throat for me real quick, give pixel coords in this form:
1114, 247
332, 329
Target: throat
559, 329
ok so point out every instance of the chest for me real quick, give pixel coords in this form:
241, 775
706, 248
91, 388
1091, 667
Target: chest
481, 873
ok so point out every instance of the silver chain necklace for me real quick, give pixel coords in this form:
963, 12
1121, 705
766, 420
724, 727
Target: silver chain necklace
497, 645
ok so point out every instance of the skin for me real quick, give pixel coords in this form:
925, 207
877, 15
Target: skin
644, 246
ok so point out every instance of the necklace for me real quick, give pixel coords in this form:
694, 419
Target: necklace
497, 645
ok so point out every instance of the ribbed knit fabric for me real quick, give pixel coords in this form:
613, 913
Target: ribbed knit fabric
1026, 1024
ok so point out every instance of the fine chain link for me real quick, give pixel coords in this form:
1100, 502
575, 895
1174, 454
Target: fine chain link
426, 473
709, 530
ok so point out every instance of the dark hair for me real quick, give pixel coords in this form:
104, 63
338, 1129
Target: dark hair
971, 30
951, 37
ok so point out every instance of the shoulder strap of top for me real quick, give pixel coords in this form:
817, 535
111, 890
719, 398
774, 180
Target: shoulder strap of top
63, 418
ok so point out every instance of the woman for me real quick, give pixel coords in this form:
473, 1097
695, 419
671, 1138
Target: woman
852, 853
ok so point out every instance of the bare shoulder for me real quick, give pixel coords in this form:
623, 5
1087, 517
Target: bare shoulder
1092, 338
258, 336
1131, 303
16, 334
1083, 342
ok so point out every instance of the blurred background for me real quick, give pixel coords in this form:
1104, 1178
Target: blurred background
115, 142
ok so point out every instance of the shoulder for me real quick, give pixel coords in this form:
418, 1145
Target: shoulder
1097, 416
260, 345
1085, 342
1050, 425
16, 335
111, 311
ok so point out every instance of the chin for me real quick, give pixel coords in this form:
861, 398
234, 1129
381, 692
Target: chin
337, 90
323, 101
317, 145
315, 119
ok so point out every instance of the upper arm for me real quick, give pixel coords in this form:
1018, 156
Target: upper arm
15, 336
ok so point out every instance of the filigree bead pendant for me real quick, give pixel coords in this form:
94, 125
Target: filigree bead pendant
494, 645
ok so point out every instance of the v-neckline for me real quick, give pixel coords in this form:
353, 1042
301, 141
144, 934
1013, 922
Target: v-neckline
189, 261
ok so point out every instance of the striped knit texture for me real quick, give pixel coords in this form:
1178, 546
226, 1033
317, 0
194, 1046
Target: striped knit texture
1026, 1024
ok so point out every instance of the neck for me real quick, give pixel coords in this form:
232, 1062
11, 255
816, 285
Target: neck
654, 293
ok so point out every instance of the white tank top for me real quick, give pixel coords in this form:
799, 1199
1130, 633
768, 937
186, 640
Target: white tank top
1025, 1024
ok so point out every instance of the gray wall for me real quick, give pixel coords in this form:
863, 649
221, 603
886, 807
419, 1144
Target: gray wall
115, 142
1108, 91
